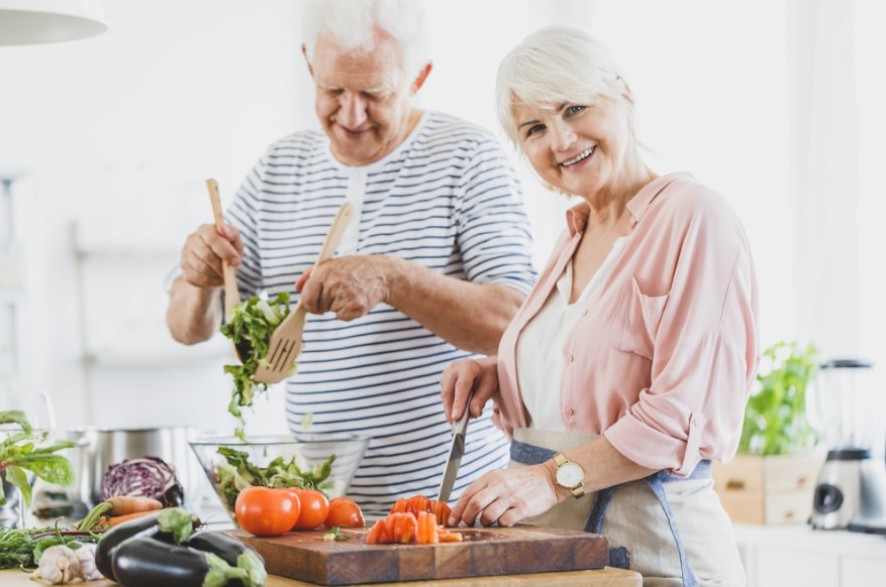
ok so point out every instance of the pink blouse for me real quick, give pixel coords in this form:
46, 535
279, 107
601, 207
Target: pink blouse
663, 360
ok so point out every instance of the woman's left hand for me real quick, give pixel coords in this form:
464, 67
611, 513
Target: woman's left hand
507, 496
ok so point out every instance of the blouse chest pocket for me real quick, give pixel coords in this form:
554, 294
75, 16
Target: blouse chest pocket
640, 319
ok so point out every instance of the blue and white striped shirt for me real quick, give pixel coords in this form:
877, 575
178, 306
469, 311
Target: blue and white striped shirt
447, 199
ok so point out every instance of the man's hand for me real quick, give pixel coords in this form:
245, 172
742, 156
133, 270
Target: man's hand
203, 251
348, 286
471, 316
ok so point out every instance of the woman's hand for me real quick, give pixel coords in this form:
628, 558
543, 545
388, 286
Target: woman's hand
203, 251
507, 496
458, 379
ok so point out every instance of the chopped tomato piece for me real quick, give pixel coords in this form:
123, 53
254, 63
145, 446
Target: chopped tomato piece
420, 503
406, 528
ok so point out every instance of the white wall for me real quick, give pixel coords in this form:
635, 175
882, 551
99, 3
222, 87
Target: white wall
117, 134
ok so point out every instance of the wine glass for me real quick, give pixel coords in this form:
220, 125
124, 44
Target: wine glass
39, 419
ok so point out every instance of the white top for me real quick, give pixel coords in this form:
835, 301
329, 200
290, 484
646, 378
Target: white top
447, 199
538, 369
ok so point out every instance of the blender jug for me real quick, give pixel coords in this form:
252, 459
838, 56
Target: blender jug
851, 489
842, 390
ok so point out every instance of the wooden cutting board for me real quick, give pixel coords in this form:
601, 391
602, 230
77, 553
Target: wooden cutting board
488, 551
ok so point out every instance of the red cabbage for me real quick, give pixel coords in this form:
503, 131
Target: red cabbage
147, 477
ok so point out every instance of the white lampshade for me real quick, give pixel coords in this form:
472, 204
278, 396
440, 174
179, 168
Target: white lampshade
27, 22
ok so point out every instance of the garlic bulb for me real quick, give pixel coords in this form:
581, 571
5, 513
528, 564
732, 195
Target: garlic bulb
59, 564
86, 555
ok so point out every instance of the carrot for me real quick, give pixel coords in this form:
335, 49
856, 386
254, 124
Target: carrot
130, 504
111, 521
118, 505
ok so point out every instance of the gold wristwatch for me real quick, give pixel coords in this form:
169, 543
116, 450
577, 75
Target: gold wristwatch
569, 475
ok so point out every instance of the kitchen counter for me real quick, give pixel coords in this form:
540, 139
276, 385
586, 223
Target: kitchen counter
607, 577
795, 554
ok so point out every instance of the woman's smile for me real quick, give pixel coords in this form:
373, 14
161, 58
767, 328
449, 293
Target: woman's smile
578, 158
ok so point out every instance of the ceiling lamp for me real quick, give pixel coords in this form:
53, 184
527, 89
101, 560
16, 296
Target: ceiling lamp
27, 22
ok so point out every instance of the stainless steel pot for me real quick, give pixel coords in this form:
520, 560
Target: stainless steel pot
99, 448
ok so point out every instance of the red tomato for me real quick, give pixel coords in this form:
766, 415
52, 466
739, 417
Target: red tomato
263, 511
314, 507
345, 513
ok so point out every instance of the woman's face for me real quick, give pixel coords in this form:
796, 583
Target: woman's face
577, 148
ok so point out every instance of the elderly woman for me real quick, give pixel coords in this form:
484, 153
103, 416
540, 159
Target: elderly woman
627, 369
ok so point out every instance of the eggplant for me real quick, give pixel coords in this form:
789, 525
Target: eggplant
228, 548
148, 562
169, 525
111, 540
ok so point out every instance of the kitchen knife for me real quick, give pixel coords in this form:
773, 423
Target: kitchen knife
456, 452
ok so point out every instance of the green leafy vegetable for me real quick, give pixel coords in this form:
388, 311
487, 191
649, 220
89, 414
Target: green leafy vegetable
24, 547
239, 473
21, 452
775, 418
251, 325
335, 535
16, 548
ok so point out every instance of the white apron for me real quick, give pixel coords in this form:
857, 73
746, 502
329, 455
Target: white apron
636, 521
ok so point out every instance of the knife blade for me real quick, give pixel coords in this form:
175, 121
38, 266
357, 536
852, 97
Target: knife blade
456, 452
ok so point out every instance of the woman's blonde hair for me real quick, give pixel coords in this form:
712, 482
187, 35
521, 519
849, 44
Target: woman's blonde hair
554, 65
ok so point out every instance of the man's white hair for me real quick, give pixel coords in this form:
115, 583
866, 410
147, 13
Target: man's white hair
556, 65
352, 24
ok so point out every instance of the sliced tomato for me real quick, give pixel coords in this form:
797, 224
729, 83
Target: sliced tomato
399, 506
420, 503
404, 528
374, 534
426, 530
445, 535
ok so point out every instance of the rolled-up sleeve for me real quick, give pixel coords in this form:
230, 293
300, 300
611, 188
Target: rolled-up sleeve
703, 347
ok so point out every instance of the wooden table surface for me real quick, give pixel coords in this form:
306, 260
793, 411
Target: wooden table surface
607, 577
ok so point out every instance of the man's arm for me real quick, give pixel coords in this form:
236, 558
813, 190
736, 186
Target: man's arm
471, 316
468, 315
194, 313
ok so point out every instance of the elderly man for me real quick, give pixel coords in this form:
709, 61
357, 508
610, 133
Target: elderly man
433, 270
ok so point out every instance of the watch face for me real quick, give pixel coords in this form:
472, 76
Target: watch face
570, 475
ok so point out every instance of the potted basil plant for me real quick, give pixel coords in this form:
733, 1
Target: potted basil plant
772, 479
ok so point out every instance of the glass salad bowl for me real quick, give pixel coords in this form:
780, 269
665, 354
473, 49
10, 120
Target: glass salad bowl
325, 461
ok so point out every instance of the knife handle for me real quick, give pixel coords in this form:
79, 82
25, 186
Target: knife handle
460, 425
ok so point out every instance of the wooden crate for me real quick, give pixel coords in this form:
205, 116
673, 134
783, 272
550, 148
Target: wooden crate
768, 489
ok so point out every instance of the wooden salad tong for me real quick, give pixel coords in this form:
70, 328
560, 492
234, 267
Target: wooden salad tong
286, 340
232, 292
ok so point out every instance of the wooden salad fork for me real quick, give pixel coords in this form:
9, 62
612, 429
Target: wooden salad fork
232, 292
286, 340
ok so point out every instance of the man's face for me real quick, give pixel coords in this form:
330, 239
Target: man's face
362, 99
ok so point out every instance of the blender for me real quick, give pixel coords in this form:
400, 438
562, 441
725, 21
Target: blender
851, 489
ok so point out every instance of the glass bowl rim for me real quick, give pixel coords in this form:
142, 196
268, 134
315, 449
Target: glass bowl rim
279, 439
